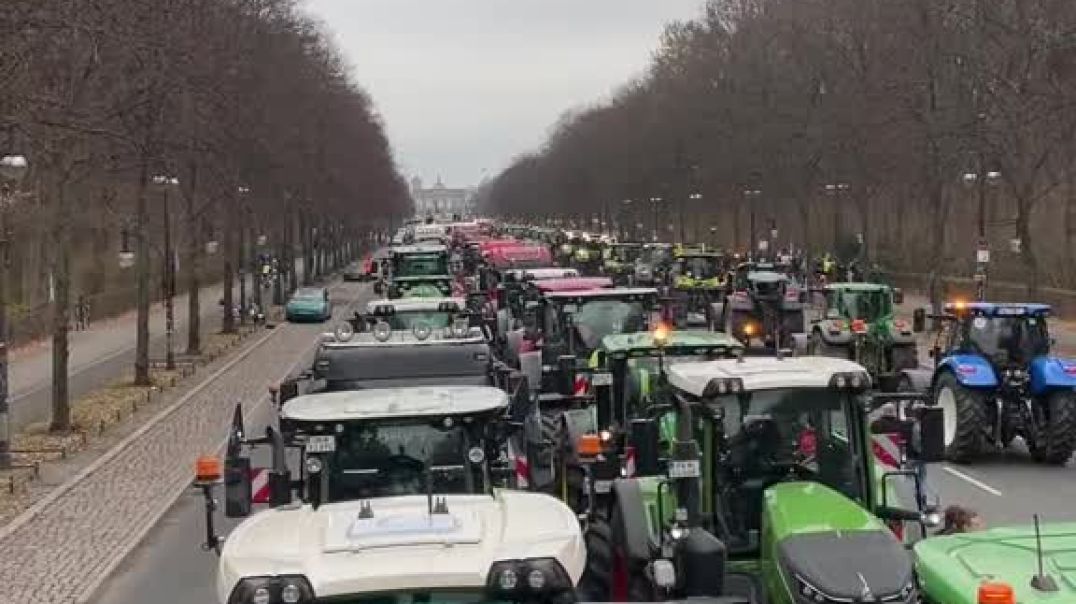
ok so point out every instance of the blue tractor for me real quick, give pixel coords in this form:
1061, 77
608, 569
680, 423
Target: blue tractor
995, 379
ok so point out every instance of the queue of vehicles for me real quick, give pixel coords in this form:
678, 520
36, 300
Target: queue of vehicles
516, 421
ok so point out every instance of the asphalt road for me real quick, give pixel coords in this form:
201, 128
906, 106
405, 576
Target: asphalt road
170, 565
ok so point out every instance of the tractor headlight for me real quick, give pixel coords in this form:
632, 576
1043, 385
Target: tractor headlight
285, 589
853, 380
515, 579
721, 386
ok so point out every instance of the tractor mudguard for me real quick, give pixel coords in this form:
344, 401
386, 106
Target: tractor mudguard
1050, 373
578, 422
842, 339
920, 379
971, 370
629, 497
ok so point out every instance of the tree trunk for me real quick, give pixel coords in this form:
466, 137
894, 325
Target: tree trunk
142, 259
240, 273
304, 241
1027, 250
228, 277
193, 266
61, 270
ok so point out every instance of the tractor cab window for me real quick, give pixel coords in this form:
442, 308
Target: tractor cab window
595, 319
779, 435
869, 306
421, 265
1009, 340
382, 459
698, 267
407, 321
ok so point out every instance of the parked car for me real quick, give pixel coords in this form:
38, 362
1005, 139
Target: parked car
309, 304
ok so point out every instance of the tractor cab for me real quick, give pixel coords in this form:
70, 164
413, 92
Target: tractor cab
759, 479
996, 378
392, 496
654, 264
765, 303
418, 271
619, 261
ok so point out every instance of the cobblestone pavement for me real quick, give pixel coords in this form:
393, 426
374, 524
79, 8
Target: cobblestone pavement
62, 550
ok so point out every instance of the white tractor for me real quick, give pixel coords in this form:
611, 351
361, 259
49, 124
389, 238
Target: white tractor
395, 500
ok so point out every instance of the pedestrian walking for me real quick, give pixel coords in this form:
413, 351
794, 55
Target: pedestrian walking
82, 313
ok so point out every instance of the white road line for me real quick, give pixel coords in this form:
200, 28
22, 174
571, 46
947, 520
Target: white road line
973, 481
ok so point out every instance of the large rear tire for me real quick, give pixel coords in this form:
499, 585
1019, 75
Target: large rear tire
1057, 433
964, 413
596, 583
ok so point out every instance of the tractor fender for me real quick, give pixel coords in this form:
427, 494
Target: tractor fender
629, 498
920, 379
971, 370
1051, 373
844, 338
577, 422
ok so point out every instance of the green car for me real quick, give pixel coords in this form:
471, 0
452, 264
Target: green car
952, 569
309, 304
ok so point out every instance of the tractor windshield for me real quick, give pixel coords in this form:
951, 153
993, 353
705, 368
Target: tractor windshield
869, 306
698, 267
409, 320
1009, 340
596, 319
779, 435
382, 459
420, 265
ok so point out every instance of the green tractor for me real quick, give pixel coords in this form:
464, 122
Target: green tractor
858, 323
625, 373
1005, 565
698, 284
417, 271
756, 481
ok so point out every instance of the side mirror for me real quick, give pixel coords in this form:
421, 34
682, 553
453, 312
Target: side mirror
931, 435
645, 440
237, 487
288, 391
898, 295
919, 320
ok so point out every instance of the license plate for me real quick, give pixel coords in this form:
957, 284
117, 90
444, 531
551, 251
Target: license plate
321, 444
603, 487
684, 469
602, 379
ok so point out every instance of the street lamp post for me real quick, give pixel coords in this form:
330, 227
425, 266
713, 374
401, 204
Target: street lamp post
654, 202
695, 199
12, 169
836, 190
751, 195
165, 184
982, 249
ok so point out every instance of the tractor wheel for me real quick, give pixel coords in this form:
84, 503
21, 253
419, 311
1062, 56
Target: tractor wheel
819, 347
1057, 430
609, 574
965, 423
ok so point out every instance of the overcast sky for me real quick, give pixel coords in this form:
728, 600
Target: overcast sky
465, 85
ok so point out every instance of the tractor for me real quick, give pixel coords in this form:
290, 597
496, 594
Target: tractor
996, 379
764, 304
756, 481
417, 271
858, 323
625, 373
697, 285
619, 262
654, 263
393, 497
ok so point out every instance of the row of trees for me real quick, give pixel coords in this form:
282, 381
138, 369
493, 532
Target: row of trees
924, 125
241, 111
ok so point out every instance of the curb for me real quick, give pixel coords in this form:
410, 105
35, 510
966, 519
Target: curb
121, 446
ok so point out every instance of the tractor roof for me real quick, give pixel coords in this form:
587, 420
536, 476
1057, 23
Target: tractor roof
643, 341
384, 403
543, 274
767, 276
387, 307
573, 284
858, 287
612, 293
762, 373
999, 309
419, 248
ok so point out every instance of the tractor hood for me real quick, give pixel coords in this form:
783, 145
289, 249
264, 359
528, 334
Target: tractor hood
401, 546
951, 568
828, 544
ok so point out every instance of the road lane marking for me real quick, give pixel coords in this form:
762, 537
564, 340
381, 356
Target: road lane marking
972, 481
